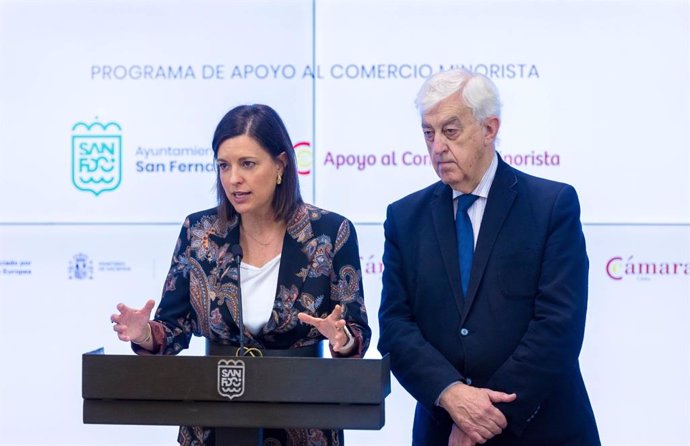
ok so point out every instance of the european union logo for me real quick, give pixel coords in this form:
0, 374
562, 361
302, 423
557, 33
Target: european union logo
96, 156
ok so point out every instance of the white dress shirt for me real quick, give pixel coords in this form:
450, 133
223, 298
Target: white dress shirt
476, 211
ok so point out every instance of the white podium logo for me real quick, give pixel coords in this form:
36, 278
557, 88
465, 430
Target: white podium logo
230, 378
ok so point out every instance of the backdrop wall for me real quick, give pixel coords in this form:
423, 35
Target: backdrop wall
107, 110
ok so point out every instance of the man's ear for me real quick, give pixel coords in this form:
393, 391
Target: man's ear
491, 126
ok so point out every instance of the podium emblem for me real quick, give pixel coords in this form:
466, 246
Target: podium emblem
230, 378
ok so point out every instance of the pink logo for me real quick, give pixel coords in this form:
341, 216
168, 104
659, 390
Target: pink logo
304, 156
617, 267
613, 268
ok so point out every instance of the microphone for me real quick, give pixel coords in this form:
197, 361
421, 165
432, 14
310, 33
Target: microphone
236, 251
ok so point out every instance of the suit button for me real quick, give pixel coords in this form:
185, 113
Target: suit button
464, 332
468, 381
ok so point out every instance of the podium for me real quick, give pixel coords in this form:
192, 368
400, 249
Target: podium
235, 395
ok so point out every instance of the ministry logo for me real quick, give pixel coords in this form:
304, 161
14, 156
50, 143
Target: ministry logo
96, 156
80, 267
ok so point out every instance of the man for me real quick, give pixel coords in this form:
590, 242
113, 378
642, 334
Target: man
486, 339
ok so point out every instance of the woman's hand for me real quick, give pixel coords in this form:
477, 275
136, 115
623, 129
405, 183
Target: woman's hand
132, 324
332, 327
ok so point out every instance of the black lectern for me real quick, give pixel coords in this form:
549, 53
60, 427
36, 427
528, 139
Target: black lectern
236, 395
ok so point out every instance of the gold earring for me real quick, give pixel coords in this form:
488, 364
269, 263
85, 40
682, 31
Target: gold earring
279, 179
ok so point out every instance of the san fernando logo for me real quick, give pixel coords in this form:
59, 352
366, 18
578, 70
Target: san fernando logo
96, 156
231, 378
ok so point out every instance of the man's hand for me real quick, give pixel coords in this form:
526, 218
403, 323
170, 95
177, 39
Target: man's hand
459, 438
472, 410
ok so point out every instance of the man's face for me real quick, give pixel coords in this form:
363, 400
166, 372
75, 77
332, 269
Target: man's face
461, 149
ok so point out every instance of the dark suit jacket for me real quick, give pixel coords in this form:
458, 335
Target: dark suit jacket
520, 328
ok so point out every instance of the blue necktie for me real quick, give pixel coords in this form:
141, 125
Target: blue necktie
465, 236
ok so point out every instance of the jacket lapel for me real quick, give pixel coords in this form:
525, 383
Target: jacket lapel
444, 224
295, 261
230, 271
498, 204
294, 267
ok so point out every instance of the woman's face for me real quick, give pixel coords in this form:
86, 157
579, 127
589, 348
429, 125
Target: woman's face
248, 174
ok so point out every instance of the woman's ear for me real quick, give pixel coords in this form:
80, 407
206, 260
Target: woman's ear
282, 161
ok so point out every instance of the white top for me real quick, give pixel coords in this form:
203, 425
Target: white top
258, 293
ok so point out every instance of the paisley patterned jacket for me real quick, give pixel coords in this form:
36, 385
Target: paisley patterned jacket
319, 268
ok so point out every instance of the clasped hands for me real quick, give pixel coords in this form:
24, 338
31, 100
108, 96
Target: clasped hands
474, 415
331, 327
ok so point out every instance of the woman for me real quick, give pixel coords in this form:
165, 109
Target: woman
300, 274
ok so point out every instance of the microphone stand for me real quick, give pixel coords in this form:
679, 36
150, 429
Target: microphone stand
236, 251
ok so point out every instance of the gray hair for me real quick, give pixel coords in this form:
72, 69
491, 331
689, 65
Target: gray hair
479, 93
